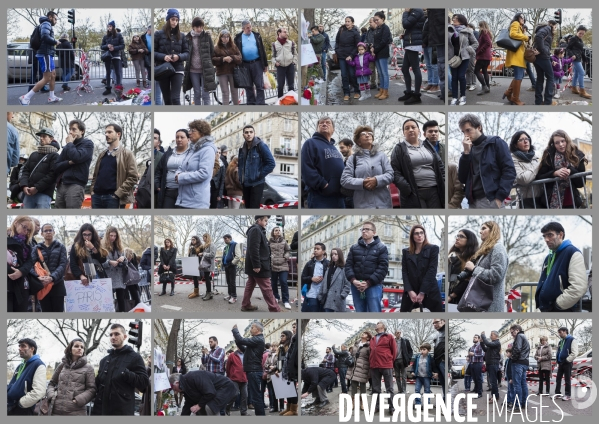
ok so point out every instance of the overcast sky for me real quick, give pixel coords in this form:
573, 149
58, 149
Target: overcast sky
221, 329
476, 327
169, 122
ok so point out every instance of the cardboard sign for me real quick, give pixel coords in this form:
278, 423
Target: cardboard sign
161, 382
191, 266
283, 388
308, 56
96, 297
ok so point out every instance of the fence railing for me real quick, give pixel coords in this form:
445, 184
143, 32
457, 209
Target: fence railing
539, 193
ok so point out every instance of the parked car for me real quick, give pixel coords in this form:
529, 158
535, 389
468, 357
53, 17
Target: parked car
19, 61
457, 366
533, 368
280, 189
582, 367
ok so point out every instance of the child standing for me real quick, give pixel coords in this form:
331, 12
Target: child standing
423, 370
361, 62
511, 393
558, 62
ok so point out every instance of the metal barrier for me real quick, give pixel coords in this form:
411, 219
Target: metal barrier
518, 203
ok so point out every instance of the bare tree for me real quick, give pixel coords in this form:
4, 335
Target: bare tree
16, 329
310, 335
417, 331
585, 338
572, 324
188, 346
91, 331
457, 344
32, 15
173, 337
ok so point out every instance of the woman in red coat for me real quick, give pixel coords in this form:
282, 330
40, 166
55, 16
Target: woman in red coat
483, 57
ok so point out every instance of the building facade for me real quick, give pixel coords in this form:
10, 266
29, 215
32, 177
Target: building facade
533, 329
28, 124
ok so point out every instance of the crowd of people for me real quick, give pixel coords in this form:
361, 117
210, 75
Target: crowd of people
326, 283
359, 174
37, 270
237, 380
477, 271
374, 357
75, 384
197, 174
515, 165
197, 61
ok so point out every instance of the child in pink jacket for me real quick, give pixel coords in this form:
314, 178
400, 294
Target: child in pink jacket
559, 66
361, 63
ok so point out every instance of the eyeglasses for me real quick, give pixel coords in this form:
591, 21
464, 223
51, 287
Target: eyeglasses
368, 133
192, 130
460, 236
418, 233
523, 139
366, 229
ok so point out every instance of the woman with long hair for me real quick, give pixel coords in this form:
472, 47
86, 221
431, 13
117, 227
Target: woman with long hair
232, 184
562, 159
336, 286
543, 356
20, 262
179, 368
115, 265
515, 60
164, 176
464, 248
283, 360
199, 71
380, 49
207, 255
359, 374
73, 384
527, 163
194, 250
575, 50
113, 43
483, 57
171, 46
279, 254
168, 263
412, 21
270, 368
346, 47
137, 52
55, 258
225, 58
419, 270
87, 255
489, 264
464, 45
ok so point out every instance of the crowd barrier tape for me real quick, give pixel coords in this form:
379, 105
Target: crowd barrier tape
278, 206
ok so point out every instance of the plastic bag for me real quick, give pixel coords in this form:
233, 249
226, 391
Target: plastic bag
272, 80
266, 80
289, 98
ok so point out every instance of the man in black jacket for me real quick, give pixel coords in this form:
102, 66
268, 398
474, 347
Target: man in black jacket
66, 59
254, 59
341, 365
402, 360
492, 350
205, 393
543, 41
120, 373
37, 177
258, 267
253, 349
316, 380
519, 360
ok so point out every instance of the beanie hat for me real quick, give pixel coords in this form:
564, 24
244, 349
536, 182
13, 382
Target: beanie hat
172, 13
112, 24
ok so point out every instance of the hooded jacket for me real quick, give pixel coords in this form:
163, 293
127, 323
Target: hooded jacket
368, 262
48, 42
322, 164
194, 174
381, 41
467, 43
279, 253
206, 389
134, 48
255, 163
317, 42
222, 67
333, 297
44, 178
382, 351
560, 65
346, 42
55, 257
164, 46
413, 22
257, 252
252, 348
369, 163
72, 381
80, 152
30, 388
206, 51
362, 70
126, 174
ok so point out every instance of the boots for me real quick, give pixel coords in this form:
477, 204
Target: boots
293, 410
145, 84
406, 96
207, 296
385, 94
380, 92
413, 100
173, 288
137, 83
163, 290
508, 92
195, 293
575, 90
516, 93
484, 90
584, 94
287, 409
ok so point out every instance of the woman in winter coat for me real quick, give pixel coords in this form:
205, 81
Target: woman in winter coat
464, 45
418, 170
207, 255
20, 261
412, 21
543, 356
196, 169
368, 172
380, 50
195, 247
562, 159
359, 374
419, 270
115, 264
73, 384
113, 43
232, 184
515, 60
137, 53
225, 58
179, 368
171, 46
346, 47
483, 57
164, 176
526, 163
168, 263
490, 263
336, 286
464, 248
87, 249
199, 71
55, 257
37, 178
575, 50
279, 254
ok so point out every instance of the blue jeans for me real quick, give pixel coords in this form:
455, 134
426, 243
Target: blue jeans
318, 201
530, 73
458, 75
37, 201
348, 77
578, 77
544, 72
280, 277
520, 386
311, 305
422, 381
105, 201
323, 64
431, 70
441, 68
342, 374
382, 66
157, 94
467, 382
372, 303
255, 395
511, 393
518, 72
442, 376
67, 73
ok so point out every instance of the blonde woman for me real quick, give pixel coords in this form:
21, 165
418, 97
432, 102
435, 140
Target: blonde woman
543, 357
115, 264
20, 262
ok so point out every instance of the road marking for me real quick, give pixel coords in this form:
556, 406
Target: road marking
557, 411
491, 103
532, 401
174, 308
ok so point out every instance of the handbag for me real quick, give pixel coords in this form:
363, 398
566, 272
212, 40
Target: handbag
163, 71
106, 56
167, 277
477, 297
42, 270
348, 192
504, 41
455, 61
205, 264
131, 275
242, 78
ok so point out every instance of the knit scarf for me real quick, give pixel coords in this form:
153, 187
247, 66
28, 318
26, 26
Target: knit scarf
46, 149
22, 240
560, 187
525, 156
282, 40
458, 29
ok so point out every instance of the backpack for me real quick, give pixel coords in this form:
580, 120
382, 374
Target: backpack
349, 361
35, 40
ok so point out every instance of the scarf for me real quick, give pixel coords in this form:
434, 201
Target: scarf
332, 269
458, 29
23, 241
282, 40
525, 157
556, 202
44, 150
195, 34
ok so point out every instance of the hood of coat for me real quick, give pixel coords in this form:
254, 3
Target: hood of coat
202, 142
255, 142
360, 151
75, 365
466, 30
374, 242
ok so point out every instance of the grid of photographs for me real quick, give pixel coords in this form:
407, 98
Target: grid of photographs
308, 204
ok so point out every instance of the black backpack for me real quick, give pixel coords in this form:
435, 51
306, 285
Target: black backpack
35, 40
349, 361
143, 197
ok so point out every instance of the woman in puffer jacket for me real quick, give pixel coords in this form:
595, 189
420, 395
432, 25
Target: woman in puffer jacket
113, 43
199, 71
413, 22
279, 254
360, 372
73, 383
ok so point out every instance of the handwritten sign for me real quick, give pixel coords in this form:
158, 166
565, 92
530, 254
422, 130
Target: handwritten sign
283, 388
96, 297
161, 382
308, 56
190, 266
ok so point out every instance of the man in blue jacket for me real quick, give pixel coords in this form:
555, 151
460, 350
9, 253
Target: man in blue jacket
28, 383
488, 189
322, 166
255, 163
567, 351
563, 279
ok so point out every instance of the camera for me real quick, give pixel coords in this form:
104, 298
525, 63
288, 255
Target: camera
464, 275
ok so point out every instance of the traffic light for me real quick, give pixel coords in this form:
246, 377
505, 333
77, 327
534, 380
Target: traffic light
557, 16
136, 332
280, 220
71, 15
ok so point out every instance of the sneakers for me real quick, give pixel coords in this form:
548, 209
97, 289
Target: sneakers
287, 305
346, 98
23, 101
357, 95
232, 300
472, 88
54, 99
227, 297
426, 88
531, 88
433, 89
566, 398
556, 95
558, 395
462, 101
454, 102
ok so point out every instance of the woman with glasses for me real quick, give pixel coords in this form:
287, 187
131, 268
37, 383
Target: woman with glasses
164, 176
368, 172
515, 60
87, 255
225, 58
55, 258
527, 164
419, 271
464, 248
419, 173
116, 266
20, 261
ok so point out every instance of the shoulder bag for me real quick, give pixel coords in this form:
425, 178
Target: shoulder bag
241, 77
348, 192
131, 275
477, 297
163, 71
504, 41
205, 264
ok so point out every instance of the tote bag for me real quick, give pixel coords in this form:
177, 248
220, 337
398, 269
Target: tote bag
504, 41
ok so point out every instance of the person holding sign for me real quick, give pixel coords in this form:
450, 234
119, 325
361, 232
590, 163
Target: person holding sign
86, 256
